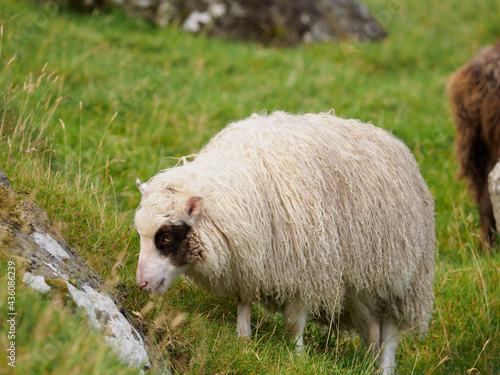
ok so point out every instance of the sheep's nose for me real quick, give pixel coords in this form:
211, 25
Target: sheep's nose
143, 284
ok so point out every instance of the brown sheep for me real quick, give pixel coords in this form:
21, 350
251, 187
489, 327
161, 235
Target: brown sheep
474, 91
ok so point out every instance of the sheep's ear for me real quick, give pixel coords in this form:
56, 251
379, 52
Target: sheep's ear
140, 186
192, 206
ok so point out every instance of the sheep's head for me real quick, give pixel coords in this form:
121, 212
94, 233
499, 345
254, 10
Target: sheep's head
166, 223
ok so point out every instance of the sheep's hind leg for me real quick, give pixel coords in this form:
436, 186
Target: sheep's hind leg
389, 340
243, 320
294, 319
373, 337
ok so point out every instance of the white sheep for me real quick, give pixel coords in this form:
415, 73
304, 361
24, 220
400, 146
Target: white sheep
315, 216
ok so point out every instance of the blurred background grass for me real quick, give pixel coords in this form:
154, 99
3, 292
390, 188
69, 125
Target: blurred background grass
91, 102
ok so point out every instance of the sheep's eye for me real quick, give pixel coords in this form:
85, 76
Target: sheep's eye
167, 238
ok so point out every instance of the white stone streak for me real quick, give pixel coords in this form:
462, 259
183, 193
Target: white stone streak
47, 243
116, 329
55, 270
195, 20
36, 282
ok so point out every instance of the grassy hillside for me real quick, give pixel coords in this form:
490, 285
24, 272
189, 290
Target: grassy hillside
91, 102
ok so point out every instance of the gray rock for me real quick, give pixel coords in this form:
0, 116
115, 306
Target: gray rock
4, 180
274, 22
49, 264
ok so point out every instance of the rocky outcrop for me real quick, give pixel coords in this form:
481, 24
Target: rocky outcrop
48, 264
275, 22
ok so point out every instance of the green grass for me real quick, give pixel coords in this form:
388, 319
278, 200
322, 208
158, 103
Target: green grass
91, 102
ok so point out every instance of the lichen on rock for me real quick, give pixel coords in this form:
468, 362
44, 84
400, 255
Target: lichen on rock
36, 282
116, 330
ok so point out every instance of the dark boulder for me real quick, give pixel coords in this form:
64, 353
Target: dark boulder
272, 22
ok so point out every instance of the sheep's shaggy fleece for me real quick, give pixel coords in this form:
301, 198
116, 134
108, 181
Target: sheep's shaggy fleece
331, 211
474, 92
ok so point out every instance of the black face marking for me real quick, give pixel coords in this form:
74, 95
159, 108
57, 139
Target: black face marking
170, 238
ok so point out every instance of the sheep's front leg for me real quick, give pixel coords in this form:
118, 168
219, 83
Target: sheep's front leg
243, 320
389, 340
294, 319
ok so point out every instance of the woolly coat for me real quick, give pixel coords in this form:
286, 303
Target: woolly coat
474, 92
330, 211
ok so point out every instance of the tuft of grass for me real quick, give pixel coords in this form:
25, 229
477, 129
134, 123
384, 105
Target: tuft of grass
90, 103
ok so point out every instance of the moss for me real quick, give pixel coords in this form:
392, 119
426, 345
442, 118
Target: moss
58, 284
31, 216
7, 243
59, 288
8, 203
10, 219
20, 211
12, 207
6, 238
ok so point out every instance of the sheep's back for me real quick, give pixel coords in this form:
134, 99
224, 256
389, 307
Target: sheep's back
312, 203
